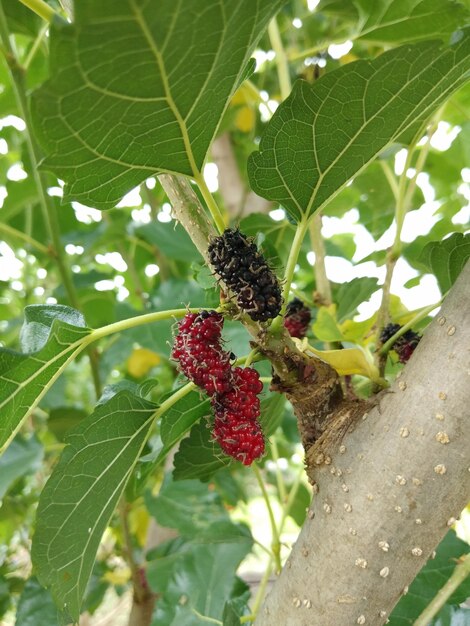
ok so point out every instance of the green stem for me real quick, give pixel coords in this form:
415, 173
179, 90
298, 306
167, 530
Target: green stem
262, 590
40, 8
281, 485
300, 231
251, 357
322, 283
276, 546
173, 399
282, 63
205, 618
404, 195
47, 206
459, 574
290, 500
422, 314
391, 178
26, 238
210, 201
34, 48
132, 322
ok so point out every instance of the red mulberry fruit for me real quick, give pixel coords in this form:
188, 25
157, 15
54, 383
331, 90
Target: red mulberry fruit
198, 350
236, 425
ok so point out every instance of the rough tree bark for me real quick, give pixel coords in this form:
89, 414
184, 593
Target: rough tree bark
388, 492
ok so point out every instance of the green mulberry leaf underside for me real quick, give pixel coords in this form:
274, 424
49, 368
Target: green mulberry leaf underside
326, 133
139, 87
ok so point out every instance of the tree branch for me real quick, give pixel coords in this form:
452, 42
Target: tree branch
385, 500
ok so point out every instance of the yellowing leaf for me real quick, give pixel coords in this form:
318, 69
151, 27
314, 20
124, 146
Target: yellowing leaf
357, 331
245, 119
241, 96
326, 327
141, 362
118, 576
139, 521
349, 361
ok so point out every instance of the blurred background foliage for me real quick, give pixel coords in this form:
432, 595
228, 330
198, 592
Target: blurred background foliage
135, 259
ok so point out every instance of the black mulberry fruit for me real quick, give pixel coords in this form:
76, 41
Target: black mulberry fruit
298, 318
246, 272
405, 345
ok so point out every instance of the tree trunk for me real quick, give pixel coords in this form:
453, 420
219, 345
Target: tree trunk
390, 490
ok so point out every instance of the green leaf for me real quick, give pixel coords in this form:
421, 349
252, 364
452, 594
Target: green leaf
187, 505
171, 240
326, 327
272, 412
51, 337
179, 419
230, 615
405, 21
324, 134
153, 97
430, 579
24, 456
82, 492
198, 455
204, 576
350, 295
36, 606
446, 259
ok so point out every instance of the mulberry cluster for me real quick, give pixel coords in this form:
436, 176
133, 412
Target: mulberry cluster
405, 345
297, 318
246, 272
234, 391
236, 425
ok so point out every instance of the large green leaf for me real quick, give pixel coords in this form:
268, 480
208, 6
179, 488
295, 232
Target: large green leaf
204, 576
404, 21
22, 457
326, 133
350, 295
51, 337
447, 258
187, 505
153, 97
430, 579
80, 496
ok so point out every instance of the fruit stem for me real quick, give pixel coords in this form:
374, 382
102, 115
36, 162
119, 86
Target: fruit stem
300, 232
210, 201
322, 284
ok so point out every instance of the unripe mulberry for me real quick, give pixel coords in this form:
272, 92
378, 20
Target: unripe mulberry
198, 350
405, 345
297, 319
246, 272
236, 425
